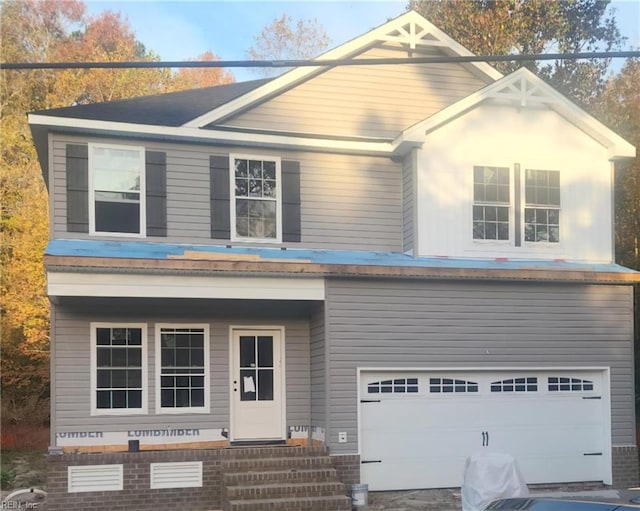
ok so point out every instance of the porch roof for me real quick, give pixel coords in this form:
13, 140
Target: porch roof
145, 256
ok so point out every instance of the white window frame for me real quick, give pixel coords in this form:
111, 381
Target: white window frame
542, 243
144, 409
207, 371
232, 196
510, 206
143, 192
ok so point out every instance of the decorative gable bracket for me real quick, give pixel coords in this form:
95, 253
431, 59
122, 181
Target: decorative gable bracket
413, 34
526, 89
523, 90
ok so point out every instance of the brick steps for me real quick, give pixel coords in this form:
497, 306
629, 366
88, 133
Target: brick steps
285, 490
281, 478
277, 476
332, 503
276, 464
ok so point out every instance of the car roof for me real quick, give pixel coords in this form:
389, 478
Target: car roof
545, 504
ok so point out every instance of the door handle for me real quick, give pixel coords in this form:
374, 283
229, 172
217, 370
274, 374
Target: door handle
485, 439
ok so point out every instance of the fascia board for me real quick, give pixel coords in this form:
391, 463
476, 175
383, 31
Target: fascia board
343, 51
234, 138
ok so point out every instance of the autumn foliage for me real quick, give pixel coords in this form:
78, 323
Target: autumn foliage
52, 31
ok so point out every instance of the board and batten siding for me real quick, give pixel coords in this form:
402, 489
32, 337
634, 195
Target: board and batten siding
501, 136
364, 101
347, 202
421, 324
71, 365
318, 368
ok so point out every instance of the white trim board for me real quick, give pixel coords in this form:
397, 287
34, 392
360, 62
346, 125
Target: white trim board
184, 286
247, 139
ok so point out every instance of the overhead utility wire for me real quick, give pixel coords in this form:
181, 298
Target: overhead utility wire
319, 63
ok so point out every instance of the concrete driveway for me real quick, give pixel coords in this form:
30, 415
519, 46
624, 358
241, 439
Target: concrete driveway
449, 499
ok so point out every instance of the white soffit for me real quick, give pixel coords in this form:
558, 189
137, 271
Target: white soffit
523, 89
409, 29
183, 286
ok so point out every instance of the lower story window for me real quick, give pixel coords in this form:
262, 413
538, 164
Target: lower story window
118, 368
183, 368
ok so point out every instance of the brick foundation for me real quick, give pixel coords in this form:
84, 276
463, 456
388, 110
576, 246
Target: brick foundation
626, 466
348, 468
136, 493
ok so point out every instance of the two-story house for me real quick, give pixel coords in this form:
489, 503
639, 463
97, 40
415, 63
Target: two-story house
398, 264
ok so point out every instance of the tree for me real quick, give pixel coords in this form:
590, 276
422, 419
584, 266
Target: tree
105, 38
283, 40
619, 107
195, 77
47, 31
501, 27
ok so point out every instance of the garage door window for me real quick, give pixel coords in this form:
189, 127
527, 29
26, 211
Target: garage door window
396, 386
569, 384
449, 385
515, 385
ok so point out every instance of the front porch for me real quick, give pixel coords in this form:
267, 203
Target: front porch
229, 479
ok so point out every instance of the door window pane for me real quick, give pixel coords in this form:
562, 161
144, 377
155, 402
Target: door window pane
265, 385
247, 351
248, 385
265, 351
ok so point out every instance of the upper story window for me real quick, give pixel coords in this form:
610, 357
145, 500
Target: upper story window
256, 206
118, 368
117, 190
491, 201
542, 206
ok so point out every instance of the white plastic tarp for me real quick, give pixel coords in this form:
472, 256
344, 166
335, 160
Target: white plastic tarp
489, 476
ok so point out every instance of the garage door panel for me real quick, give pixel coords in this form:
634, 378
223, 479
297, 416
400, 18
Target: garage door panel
560, 469
413, 473
547, 420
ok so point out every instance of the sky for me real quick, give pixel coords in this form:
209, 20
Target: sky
179, 30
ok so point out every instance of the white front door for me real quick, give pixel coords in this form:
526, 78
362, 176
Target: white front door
257, 401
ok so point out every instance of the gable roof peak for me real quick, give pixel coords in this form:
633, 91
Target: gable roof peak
409, 29
523, 89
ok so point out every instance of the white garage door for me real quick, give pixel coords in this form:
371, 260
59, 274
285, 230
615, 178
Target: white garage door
418, 428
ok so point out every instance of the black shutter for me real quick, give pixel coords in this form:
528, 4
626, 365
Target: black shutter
291, 229
220, 202
156, 182
77, 188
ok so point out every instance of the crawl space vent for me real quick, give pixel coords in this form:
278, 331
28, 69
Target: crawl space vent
186, 474
94, 478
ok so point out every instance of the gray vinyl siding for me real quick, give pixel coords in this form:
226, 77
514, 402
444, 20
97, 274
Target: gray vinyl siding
347, 202
472, 324
318, 368
367, 101
409, 203
71, 362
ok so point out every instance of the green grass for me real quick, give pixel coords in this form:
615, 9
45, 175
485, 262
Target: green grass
23, 469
